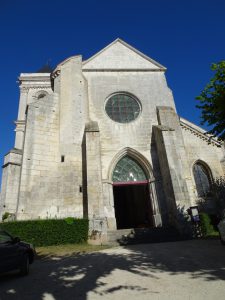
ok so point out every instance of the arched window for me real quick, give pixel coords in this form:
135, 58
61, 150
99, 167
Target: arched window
127, 169
202, 179
122, 108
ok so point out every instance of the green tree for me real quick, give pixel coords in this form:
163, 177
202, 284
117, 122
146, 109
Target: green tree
212, 101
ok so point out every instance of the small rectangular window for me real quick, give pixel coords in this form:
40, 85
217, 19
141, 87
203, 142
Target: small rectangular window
62, 158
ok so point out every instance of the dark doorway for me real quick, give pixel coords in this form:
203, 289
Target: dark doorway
132, 206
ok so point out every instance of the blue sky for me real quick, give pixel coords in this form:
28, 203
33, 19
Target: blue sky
185, 36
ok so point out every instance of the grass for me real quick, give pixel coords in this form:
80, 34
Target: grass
68, 249
212, 234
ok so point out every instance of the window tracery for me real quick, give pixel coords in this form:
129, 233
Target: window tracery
122, 108
202, 179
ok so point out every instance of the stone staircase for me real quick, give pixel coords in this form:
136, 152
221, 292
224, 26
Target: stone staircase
144, 235
114, 236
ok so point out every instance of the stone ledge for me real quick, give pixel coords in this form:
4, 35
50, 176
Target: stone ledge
163, 128
15, 150
10, 163
92, 126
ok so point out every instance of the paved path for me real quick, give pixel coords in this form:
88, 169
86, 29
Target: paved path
179, 270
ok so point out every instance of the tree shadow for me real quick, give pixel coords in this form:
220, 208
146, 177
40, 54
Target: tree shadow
113, 270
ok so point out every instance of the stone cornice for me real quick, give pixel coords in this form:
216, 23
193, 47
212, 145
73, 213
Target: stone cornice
34, 81
27, 87
57, 72
32, 77
202, 134
20, 125
14, 150
91, 126
10, 163
122, 70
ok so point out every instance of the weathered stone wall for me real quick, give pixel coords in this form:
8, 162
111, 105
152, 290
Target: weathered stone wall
52, 162
151, 89
199, 148
39, 186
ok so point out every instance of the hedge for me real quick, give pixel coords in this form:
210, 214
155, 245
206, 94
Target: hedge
49, 232
207, 225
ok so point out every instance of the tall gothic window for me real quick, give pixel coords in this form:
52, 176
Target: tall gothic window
202, 179
127, 169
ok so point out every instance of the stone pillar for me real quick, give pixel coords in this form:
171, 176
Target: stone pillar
94, 176
223, 159
20, 123
20, 131
173, 166
71, 87
157, 221
12, 162
10, 182
73, 104
94, 191
22, 103
108, 199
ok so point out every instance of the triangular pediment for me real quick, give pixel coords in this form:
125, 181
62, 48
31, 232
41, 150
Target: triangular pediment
121, 56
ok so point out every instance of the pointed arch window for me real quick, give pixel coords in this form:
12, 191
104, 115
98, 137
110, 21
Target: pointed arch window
202, 178
127, 170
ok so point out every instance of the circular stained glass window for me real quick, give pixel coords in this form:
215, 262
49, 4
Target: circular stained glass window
122, 108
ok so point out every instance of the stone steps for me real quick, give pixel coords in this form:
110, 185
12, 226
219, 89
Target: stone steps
115, 235
143, 235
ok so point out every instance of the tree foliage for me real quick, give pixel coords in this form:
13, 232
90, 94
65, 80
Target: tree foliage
212, 101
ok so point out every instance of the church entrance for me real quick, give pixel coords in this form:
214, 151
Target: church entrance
132, 201
132, 205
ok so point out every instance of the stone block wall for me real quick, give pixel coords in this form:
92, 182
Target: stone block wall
39, 178
10, 182
150, 88
200, 148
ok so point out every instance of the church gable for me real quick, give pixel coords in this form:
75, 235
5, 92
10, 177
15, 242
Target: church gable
120, 55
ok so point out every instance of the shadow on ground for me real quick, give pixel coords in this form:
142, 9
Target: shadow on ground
74, 276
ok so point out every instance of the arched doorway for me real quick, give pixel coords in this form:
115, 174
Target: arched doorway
132, 201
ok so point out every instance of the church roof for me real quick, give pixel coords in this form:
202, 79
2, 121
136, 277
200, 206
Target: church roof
45, 69
200, 132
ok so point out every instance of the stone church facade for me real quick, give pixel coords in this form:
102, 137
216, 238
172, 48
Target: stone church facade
101, 139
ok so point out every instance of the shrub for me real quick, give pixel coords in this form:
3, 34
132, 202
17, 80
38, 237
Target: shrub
5, 216
8, 217
49, 232
207, 225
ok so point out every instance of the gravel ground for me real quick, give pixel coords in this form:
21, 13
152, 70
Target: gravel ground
179, 270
